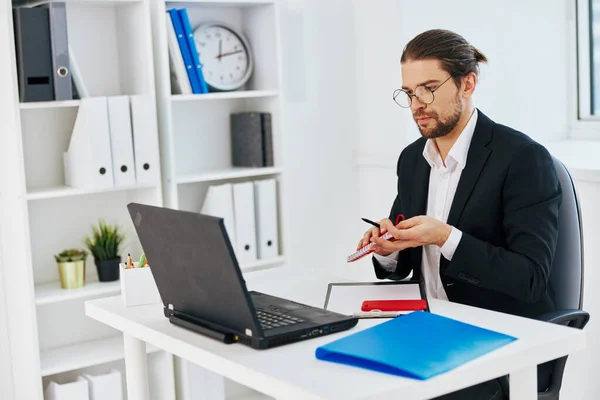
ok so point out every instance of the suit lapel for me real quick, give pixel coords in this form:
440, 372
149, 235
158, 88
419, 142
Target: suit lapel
418, 203
476, 159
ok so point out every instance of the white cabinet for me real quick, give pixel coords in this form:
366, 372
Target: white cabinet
112, 44
121, 49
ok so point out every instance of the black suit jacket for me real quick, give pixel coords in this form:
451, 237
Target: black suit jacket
506, 205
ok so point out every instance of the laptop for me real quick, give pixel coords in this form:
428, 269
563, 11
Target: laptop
202, 287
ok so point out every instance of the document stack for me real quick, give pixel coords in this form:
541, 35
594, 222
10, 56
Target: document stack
114, 143
249, 210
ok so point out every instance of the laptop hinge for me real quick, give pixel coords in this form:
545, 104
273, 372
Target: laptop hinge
202, 327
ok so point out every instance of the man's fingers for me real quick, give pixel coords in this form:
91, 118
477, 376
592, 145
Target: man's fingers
405, 234
383, 245
384, 224
390, 247
380, 244
387, 246
387, 226
367, 237
409, 223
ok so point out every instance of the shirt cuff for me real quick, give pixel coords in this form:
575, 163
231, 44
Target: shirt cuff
389, 262
451, 244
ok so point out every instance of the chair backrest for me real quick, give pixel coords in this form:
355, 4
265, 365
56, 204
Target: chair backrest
567, 269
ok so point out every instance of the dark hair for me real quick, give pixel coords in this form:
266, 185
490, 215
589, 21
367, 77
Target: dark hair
456, 55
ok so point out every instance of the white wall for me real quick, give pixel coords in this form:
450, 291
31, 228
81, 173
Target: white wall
319, 81
523, 86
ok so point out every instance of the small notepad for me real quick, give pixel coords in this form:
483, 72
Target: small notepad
419, 345
363, 251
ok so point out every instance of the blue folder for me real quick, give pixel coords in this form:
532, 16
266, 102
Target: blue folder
418, 345
182, 39
189, 33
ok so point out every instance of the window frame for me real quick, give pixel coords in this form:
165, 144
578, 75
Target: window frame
583, 124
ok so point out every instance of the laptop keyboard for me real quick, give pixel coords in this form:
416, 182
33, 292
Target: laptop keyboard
270, 320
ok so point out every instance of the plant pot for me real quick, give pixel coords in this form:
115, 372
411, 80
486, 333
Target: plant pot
108, 270
72, 274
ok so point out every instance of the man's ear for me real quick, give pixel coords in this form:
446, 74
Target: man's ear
469, 82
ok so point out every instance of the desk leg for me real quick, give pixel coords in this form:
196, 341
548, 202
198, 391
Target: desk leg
523, 384
136, 368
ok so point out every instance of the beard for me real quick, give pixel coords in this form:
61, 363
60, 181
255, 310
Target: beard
443, 126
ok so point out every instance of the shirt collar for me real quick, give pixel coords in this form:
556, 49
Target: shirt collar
459, 150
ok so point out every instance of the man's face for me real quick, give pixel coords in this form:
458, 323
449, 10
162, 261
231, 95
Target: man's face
440, 117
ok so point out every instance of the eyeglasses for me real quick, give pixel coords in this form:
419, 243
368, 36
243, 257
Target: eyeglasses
422, 93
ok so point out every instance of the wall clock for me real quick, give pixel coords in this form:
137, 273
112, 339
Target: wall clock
225, 56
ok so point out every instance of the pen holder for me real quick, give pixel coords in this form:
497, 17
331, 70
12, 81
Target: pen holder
138, 286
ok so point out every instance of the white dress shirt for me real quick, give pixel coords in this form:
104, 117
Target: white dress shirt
443, 181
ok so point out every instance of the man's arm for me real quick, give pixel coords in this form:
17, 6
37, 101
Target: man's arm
531, 197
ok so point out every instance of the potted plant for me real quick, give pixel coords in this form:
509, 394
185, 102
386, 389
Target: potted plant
71, 268
105, 245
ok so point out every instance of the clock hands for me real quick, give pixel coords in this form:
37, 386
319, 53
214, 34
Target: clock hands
228, 54
220, 45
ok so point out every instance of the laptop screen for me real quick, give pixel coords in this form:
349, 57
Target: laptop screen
194, 265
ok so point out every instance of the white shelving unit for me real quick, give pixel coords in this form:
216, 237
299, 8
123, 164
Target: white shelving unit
112, 41
121, 48
228, 174
66, 191
241, 94
82, 355
49, 104
195, 129
48, 293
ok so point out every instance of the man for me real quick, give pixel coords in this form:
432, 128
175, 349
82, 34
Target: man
480, 199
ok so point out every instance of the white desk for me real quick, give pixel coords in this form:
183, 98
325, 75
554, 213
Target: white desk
293, 372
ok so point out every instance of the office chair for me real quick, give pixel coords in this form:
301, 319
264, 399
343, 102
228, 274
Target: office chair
566, 276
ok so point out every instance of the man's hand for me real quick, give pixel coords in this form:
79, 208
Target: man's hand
414, 232
375, 232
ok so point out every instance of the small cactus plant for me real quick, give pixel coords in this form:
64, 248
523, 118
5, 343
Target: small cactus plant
70, 255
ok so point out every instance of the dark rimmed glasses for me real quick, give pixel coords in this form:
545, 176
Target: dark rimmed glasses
422, 93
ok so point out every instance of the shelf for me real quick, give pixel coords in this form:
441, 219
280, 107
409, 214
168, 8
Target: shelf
37, 105
33, 3
231, 173
48, 293
65, 191
262, 264
236, 3
250, 396
244, 94
82, 355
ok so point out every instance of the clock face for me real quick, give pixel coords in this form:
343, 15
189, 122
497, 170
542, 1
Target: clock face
224, 55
